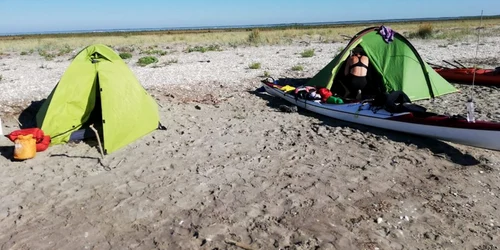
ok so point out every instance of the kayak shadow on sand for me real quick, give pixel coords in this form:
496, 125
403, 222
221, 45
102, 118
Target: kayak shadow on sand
437, 147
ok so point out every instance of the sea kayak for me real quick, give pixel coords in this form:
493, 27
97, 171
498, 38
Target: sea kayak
466, 75
483, 134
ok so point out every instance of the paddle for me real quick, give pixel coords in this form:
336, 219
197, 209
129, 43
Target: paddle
459, 64
437, 66
451, 64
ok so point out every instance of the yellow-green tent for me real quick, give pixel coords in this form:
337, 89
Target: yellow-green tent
98, 88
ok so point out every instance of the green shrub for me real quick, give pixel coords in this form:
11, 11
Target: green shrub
125, 55
1, 77
255, 65
266, 74
308, 53
143, 61
254, 36
297, 68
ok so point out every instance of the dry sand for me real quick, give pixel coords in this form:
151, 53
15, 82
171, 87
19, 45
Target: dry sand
232, 170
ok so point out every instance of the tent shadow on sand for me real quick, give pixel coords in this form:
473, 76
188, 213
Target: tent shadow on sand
437, 147
7, 152
27, 120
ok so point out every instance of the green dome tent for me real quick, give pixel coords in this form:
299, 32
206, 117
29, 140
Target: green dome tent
397, 64
98, 88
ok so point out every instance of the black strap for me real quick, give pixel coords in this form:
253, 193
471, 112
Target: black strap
161, 127
359, 63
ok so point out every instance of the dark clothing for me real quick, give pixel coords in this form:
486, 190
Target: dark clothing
356, 83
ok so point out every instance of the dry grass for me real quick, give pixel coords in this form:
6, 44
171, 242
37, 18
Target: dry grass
424, 31
47, 45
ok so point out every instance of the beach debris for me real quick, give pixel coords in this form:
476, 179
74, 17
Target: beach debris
107, 168
203, 242
346, 37
98, 140
406, 218
431, 236
120, 162
18, 122
288, 109
170, 95
239, 244
379, 220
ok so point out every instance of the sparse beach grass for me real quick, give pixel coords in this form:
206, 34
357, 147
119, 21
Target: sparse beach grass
298, 68
203, 49
255, 65
307, 53
143, 61
52, 45
125, 55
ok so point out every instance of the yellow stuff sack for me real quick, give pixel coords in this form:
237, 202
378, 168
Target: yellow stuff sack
24, 147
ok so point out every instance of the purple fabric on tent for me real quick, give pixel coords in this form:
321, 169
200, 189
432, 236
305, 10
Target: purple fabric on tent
386, 33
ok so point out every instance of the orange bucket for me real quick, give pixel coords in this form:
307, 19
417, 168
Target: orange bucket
24, 147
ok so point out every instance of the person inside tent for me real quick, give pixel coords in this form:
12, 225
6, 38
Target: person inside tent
355, 70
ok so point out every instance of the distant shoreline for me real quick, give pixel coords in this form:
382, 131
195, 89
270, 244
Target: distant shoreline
201, 29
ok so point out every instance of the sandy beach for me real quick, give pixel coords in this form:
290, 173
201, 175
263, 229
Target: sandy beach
233, 172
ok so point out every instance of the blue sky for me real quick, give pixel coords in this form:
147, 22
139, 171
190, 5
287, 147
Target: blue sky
19, 16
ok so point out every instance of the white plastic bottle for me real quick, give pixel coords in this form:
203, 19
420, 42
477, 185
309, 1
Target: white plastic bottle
470, 111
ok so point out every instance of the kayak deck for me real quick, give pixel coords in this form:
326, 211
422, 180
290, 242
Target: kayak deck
466, 75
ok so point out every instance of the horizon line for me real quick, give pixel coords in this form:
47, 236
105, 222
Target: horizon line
237, 26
